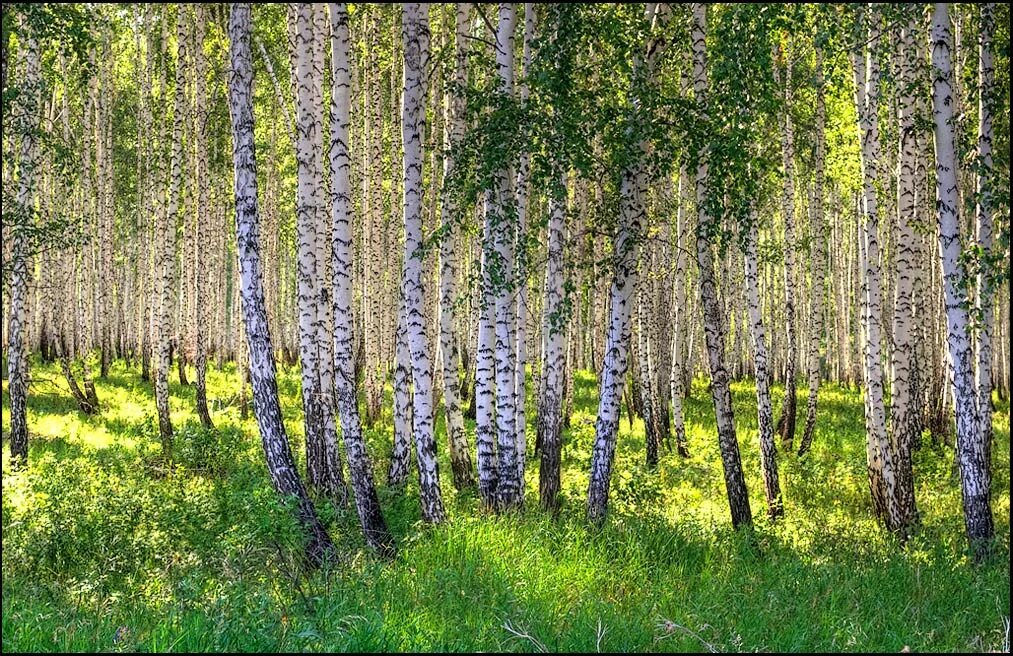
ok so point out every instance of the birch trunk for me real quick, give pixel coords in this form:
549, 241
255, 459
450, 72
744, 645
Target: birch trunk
267, 408
626, 252
453, 132
553, 329
322, 462
765, 417
415, 36
818, 259
367, 503
26, 125
880, 459
975, 474
984, 180
735, 483
904, 411
786, 422
521, 312
400, 457
201, 254
485, 371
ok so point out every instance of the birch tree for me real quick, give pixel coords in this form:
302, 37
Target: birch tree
367, 503
453, 132
29, 114
267, 408
879, 452
322, 464
975, 474
415, 36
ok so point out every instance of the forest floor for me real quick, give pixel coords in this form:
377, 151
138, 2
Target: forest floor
103, 551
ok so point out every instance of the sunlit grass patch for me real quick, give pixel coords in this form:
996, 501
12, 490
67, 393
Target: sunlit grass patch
103, 550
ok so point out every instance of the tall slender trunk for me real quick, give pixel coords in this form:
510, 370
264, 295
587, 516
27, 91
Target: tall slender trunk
400, 457
680, 328
26, 126
280, 464
765, 417
626, 252
521, 319
975, 474
367, 503
453, 132
735, 483
322, 464
985, 180
879, 453
415, 36
503, 217
201, 254
553, 328
904, 407
786, 422
485, 372
818, 252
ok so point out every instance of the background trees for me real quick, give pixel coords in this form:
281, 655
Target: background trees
632, 190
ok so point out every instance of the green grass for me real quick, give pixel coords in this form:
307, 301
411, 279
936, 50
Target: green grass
102, 552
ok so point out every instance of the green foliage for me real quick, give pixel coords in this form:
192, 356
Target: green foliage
104, 551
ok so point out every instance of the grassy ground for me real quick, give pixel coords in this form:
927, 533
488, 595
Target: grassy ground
101, 553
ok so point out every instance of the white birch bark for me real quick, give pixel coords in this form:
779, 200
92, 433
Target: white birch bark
904, 406
880, 459
626, 251
322, 463
553, 329
757, 333
29, 113
817, 298
735, 484
201, 251
975, 474
984, 180
367, 503
522, 192
453, 132
267, 408
485, 372
415, 36
786, 421
502, 265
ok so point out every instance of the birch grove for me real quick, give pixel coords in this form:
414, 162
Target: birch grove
509, 242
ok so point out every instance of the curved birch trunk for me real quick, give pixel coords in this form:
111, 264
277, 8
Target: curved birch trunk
626, 252
280, 464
